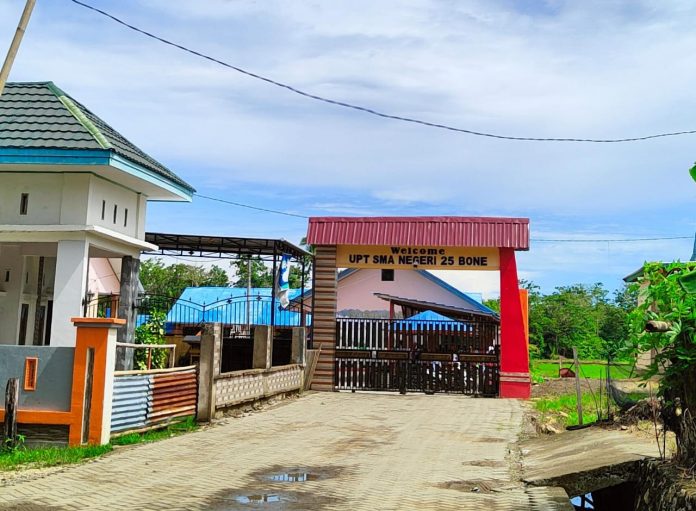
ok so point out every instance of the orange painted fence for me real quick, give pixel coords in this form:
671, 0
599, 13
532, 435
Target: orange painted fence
87, 419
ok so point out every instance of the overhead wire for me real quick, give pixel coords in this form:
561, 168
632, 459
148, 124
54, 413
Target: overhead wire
368, 110
248, 206
536, 240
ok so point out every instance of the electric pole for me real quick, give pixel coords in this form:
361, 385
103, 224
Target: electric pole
16, 40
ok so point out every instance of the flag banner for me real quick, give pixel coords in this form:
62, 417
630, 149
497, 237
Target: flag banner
283, 289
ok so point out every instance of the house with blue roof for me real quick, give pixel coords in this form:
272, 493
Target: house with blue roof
73, 202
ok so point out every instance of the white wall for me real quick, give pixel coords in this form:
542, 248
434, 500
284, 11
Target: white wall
356, 291
45, 192
106, 196
22, 261
10, 259
71, 199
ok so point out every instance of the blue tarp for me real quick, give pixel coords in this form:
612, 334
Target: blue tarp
430, 319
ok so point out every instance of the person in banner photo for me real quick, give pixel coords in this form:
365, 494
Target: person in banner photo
283, 287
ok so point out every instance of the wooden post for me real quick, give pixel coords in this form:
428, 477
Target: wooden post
11, 402
38, 317
127, 301
578, 392
14, 46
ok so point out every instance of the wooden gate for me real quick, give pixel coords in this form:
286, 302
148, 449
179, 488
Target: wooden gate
426, 356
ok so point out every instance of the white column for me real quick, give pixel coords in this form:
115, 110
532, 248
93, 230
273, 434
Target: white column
69, 290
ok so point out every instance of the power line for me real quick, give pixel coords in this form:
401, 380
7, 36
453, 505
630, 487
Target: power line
612, 240
536, 240
248, 206
367, 110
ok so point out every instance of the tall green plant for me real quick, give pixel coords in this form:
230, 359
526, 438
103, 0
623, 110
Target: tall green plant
151, 332
663, 299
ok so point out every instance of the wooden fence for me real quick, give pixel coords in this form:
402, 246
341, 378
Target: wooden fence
430, 336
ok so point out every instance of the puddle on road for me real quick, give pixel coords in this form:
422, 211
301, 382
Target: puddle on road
276, 488
294, 477
298, 473
476, 486
240, 502
264, 498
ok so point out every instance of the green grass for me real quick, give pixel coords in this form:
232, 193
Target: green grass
178, 428
593, 370
563, 409
52, 456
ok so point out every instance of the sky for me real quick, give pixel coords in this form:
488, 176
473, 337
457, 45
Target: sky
591, 69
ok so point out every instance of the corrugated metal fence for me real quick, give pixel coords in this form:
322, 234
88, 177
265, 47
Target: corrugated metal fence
144, 399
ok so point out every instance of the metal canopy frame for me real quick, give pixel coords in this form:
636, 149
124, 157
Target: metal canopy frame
221, 247
411, 306
228, 247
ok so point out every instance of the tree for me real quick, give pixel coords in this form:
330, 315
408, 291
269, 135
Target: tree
261, 275
160, 279
674, 343
578, 315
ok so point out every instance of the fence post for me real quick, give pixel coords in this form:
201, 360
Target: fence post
299, 345
11, 402
93, 380
263, 347
578, 391
208, 369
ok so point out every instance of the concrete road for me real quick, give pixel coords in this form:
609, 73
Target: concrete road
324, 451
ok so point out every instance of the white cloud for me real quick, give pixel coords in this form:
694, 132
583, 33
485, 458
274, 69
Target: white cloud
561, 68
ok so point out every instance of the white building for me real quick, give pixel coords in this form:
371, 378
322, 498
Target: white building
73, 199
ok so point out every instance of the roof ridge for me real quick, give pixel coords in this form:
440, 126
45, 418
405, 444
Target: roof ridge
449, 287
78, 114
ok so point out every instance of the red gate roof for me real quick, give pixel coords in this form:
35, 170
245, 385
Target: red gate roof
431, 231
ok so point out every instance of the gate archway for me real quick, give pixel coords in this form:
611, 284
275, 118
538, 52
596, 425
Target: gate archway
442, 243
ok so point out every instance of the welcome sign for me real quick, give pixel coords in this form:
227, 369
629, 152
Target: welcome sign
416, 257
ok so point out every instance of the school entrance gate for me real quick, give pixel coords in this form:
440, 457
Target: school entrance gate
472, 357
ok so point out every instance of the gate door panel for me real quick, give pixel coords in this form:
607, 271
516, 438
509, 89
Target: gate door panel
420, 356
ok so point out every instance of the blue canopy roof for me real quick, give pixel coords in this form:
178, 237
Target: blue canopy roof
429, 319
429, 316
228, 305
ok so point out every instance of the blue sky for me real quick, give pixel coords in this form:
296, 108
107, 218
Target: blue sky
554, 68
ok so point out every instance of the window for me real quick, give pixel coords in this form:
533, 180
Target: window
387, 275
115, 212
103, 209
7, 275
24, 204
125, 218
31, 368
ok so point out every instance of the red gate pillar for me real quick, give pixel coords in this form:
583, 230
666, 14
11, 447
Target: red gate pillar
514, 352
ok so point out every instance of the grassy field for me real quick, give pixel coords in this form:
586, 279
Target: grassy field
563, 409
591, 369
53, 456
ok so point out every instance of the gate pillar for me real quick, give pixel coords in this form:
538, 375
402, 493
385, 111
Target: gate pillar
514, 351
324, 316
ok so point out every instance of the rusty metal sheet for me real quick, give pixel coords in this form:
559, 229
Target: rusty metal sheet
148, 399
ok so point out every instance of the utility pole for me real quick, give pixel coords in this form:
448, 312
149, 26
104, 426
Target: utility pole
14, 46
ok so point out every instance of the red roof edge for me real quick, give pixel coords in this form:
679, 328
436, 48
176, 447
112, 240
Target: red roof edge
455, 231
